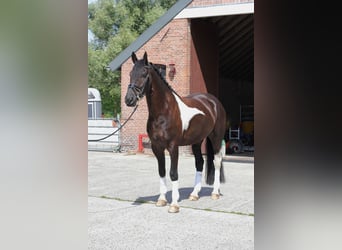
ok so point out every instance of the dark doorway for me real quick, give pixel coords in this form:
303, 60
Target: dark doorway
222, 63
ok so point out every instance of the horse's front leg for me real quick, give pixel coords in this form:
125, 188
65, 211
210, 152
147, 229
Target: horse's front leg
173, 150
159, 153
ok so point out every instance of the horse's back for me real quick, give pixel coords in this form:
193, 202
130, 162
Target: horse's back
209, 102
203, 97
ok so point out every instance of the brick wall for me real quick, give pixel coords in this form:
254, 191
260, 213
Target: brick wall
170, 45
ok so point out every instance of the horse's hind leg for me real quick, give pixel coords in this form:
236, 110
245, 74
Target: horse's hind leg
196, 149
218, 164
159, 153
219, 173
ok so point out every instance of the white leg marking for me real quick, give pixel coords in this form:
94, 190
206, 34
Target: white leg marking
216, 182
175, 193
217, 164
186, 112
163, 188
198, 184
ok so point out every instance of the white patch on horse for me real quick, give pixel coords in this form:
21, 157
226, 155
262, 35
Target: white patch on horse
186, 112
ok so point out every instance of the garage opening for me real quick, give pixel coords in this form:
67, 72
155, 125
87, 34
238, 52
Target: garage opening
222, 63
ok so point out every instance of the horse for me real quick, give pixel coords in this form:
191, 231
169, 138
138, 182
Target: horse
175, 121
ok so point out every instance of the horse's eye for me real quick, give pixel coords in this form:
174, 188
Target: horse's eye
144, 71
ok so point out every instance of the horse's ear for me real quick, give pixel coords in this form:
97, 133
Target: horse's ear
134, 57
145, 58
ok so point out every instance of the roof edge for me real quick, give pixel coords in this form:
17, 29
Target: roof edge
149, 33
217, 10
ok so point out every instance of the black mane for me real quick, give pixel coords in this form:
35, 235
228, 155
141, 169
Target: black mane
163, 78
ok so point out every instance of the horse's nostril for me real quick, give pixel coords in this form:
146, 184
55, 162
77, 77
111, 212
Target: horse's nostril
129, 101
128, 98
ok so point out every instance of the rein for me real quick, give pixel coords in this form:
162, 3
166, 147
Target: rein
135, 108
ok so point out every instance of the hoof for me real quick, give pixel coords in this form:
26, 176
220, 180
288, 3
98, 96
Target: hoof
193, 198
173, 209
215, 196
161, 203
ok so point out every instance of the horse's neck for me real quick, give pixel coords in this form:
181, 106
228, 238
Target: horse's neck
159, 94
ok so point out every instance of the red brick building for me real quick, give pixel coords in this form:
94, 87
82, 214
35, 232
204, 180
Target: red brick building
210, 43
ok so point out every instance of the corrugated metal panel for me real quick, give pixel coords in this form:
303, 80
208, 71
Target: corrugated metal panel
236, 45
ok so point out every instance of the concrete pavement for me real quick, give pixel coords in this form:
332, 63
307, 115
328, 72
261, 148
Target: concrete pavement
122, 191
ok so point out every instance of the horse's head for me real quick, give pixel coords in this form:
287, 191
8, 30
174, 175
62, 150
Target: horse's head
139, 77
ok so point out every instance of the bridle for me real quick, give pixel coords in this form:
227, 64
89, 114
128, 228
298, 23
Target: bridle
140, 91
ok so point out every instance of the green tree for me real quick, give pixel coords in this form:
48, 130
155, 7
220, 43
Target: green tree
115, 25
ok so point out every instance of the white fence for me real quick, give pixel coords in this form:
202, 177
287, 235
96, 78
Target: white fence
99, 128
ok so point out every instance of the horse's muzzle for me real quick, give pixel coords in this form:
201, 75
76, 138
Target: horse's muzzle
131, 98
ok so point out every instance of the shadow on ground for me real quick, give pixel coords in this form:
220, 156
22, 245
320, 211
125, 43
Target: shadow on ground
183, 195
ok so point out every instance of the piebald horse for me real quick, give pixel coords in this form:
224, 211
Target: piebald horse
177, 121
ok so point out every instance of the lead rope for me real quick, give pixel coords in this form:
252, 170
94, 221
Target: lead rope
135, 108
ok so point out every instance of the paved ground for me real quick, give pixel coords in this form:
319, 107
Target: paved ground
121, 212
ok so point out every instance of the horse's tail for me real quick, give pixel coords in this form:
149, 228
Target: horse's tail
210, 167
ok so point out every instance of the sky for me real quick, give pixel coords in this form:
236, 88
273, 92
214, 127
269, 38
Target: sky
90, 34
